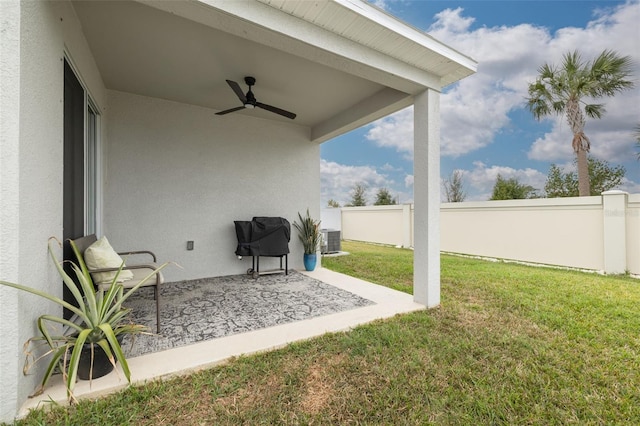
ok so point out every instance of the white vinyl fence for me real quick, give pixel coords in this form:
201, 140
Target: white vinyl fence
599, 233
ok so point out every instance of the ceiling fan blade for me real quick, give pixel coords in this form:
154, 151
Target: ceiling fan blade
227, 111
236, 88
276, 110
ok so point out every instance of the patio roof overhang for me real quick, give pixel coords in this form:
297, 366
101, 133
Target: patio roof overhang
337, 64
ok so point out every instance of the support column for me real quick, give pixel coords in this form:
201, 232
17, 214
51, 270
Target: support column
426, 194
614, 205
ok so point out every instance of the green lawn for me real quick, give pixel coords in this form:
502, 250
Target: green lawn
510, 344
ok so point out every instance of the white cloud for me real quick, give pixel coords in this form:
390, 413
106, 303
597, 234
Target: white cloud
629, 186
394, 131
337, 181
477, 108
382, 4
482, 179
450, 21
554, 145
408, 181
389, 168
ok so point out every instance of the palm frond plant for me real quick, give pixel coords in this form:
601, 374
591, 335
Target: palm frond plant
308, 232
566, 89
101, 321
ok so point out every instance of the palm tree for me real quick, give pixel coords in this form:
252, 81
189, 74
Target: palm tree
561, 90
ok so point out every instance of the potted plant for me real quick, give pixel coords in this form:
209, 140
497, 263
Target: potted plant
101, 322
309, 234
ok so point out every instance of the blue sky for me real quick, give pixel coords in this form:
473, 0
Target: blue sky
485, 128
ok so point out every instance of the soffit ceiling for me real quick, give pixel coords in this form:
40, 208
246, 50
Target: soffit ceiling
153, 52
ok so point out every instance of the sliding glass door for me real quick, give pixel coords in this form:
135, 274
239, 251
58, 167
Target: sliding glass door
81, 183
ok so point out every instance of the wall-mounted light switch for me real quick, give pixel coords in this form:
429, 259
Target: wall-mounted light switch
189, 245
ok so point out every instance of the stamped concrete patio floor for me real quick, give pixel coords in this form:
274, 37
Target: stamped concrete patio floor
252, 319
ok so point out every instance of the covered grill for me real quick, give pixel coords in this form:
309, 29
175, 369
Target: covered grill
264, 236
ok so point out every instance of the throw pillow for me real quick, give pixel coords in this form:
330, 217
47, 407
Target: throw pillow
101, 255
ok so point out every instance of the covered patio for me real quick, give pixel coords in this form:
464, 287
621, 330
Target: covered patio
113, 127
371, 302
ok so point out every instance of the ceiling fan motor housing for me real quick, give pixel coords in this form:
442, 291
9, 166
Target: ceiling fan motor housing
251, 99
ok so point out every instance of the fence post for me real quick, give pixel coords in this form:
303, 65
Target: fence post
614, 205
407, 232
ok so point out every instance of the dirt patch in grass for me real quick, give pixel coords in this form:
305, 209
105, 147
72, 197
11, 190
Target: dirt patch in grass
483, 319
319, 389
255, 393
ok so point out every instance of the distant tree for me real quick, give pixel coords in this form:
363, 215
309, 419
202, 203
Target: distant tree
358, 197
511, 189
564, 90
384, 198
602, 176
560, 184
454, 187
333, 203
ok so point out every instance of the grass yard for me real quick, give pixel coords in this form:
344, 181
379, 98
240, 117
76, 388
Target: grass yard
510, 344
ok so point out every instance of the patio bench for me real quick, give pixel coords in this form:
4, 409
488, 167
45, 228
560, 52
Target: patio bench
131, 274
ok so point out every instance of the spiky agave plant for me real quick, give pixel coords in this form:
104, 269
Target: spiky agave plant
308, 232
101, 319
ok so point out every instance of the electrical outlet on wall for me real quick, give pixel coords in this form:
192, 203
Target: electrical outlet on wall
189, 245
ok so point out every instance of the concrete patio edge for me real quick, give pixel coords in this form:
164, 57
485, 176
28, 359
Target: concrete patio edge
187, 359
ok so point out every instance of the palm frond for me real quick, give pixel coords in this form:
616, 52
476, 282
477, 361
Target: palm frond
594, 110
308, 233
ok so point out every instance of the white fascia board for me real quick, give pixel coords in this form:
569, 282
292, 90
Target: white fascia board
264, 24
392, 23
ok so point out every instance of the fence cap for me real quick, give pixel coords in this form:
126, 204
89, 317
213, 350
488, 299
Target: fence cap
615, 192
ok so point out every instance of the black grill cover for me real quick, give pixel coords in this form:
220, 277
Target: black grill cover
263, 236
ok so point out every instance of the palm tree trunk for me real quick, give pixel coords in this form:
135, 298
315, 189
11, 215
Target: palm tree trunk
581, 145
584, 187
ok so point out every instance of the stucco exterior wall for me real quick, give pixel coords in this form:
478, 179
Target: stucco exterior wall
9, 199
32, 172
40, 171
178, 172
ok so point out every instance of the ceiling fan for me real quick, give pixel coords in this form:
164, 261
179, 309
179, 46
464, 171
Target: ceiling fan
249, 100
